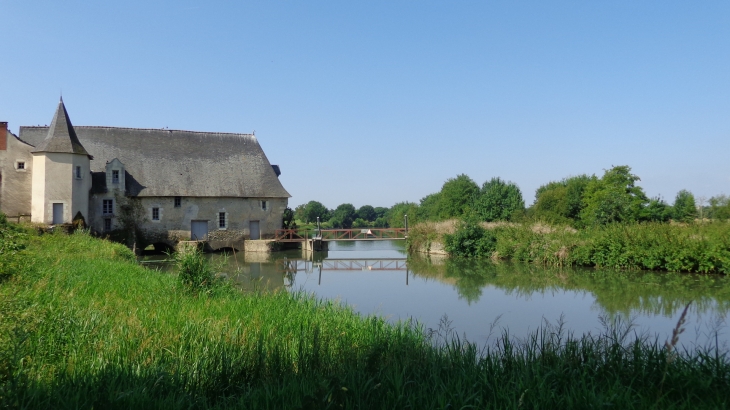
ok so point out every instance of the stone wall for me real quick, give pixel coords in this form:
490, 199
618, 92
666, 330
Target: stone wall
15, 184
174, 223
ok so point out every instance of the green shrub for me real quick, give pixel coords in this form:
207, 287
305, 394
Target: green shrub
470, 240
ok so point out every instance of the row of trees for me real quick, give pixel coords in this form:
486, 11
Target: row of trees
615, 197
344, 216
579, 201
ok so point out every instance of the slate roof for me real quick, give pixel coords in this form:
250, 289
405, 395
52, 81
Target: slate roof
161, 162
61, 136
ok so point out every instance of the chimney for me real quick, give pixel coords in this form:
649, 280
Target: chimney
3, 136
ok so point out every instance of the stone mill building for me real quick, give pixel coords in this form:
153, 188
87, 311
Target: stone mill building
149, 186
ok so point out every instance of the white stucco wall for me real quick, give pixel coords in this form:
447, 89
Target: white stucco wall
54, 181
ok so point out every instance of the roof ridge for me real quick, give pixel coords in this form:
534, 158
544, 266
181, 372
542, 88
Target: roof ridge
150, 129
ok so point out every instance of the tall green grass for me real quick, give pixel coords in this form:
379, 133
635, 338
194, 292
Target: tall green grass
82, 326
651, 246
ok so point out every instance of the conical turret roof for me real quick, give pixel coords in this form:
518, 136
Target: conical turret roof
61, 135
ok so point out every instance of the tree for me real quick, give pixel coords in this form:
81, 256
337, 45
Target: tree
288, 219
367, 213
656, 211
498, 200
720, 207
613, 198
314, 209
562, 200
429, 209
299, 212
396, 214
684, 209
381, 212
343, 216
457, 195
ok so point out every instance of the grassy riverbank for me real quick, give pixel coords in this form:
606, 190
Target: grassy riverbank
82, 325
696, 247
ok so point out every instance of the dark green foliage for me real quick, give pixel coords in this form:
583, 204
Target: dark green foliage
381, 212
360, 223
343, 216
613, 198
650, 246
429, 208
314, 209
498, 200
13, 239
470, 240
367, 213
562, 200
288, 221
656, 211
456, 196
684, 208
720, 207
398, 211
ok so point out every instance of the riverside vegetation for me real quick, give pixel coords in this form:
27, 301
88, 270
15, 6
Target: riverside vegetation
698, 247
82, 325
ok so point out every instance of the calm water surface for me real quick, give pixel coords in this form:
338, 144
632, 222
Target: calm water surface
480, 300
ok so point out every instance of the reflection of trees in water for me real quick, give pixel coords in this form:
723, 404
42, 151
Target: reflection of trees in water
617, 292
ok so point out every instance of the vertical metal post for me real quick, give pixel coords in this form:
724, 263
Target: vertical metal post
319, 228
406, 218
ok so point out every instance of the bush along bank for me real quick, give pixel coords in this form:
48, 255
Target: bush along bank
697, 247
83, 326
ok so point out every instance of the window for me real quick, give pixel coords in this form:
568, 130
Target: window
107, 207
264, 205
221, 219
78, 172
155, 214
178, 201
21, 165
115, 176
107, 224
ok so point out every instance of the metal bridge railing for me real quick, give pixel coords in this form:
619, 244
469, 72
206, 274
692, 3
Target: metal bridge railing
364, 234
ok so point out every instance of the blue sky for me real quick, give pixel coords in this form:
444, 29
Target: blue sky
381, 102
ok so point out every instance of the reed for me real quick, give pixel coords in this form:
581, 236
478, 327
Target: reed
700, 247
82, 325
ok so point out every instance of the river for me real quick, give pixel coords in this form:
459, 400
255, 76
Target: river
479, 300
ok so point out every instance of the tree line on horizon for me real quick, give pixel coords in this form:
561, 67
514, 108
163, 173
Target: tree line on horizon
579, 201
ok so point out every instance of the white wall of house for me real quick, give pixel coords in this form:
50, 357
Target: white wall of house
55, 180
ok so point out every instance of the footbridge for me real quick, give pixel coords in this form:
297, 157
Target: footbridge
361, 264
326, 235
293, 266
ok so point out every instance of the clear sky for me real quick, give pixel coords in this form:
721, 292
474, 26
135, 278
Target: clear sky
377, 102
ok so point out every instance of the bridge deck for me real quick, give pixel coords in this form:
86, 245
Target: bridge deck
371, 234
379, 264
